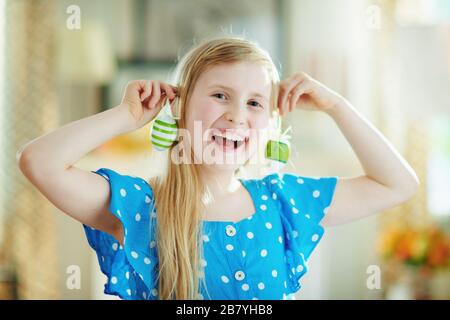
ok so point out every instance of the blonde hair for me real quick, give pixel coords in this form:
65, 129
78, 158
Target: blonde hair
179, 192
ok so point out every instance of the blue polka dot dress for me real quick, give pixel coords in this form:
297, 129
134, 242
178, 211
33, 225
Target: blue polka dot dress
263, 256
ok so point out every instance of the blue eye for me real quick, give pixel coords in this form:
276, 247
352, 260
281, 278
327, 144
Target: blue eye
218, 94
223, 96
257, 104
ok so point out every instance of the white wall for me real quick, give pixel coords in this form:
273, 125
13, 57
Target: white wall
330, 41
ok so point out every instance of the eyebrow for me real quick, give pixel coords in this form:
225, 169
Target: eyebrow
256, 94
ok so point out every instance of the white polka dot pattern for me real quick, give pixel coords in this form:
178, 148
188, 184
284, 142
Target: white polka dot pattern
261, 257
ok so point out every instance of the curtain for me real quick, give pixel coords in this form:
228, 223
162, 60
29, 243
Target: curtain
29, 109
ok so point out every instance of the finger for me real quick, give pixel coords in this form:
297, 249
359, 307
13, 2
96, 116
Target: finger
286, 88
282, 109
299, 90
284, 95
131, 91
156, 94
285, 104
290, 102
175, 90
168, 90
139, 85
160, 103
279, 105
147, 90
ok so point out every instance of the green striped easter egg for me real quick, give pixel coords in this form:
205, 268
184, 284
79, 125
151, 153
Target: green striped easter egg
164, 132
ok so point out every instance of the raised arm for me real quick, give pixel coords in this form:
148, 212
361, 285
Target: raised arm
47, 161
388, 180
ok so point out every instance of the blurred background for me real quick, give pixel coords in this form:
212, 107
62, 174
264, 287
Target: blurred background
64, 60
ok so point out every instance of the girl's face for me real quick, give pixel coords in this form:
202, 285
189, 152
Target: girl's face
229, 106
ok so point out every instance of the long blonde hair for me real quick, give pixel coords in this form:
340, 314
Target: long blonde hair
179, 192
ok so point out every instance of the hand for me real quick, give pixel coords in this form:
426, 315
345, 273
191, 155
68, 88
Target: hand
144, 99
303, 92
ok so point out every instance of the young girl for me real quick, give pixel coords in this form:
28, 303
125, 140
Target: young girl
197, 231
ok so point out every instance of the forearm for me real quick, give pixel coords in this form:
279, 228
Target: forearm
379, 159
64, 146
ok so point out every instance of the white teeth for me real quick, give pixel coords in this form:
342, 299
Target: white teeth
229, 136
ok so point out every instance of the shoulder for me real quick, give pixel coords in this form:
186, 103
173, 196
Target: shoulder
130, 195
279, 181
123, 184
118, 179
292, 179
305, 191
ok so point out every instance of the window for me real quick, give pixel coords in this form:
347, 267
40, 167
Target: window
438, 169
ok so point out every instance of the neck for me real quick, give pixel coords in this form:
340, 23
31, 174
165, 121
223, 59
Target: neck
219, 182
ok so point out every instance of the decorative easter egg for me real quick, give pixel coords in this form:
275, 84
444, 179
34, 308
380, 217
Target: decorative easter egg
278, 151
164, 132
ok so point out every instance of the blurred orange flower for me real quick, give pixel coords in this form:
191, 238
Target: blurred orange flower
427, 247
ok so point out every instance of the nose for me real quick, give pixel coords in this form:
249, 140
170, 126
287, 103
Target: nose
235, 116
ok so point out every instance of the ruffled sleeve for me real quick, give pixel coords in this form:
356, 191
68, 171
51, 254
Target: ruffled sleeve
130, 269
303, 202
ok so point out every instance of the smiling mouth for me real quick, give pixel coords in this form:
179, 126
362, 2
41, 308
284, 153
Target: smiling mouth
228, 144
